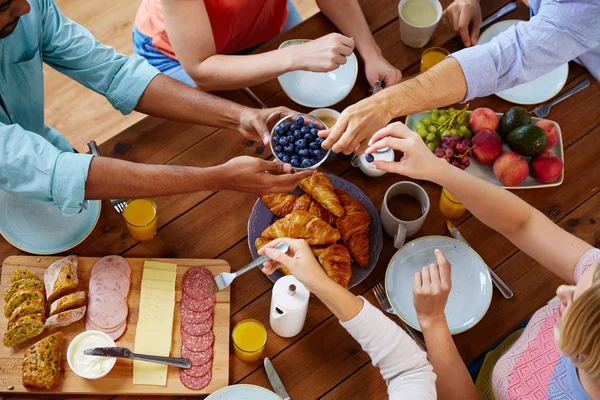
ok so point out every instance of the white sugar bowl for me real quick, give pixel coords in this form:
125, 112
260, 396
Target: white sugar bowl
289, 305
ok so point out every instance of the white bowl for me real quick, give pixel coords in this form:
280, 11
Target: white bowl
319, 89
70, 350
325, 112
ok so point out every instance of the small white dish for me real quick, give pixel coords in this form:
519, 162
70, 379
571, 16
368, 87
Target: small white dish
319, 89
94, 339
536, 91
243, 391
325, 113
471, 292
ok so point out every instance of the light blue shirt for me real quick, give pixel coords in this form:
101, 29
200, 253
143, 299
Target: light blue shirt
558, 31
36, 161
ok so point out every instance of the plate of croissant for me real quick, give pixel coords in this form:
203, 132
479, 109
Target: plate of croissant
338, 221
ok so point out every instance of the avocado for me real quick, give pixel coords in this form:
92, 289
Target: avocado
527, 140
512, 119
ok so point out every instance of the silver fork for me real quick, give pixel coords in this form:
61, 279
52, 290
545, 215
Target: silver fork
382, 299
224, 279
543, 110
119, 205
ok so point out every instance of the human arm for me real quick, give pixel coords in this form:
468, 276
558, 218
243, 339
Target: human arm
195, 47
431, 287
501, 210
347, 16
464, 17
402, 364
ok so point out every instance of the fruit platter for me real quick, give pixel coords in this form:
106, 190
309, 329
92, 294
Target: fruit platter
512, 150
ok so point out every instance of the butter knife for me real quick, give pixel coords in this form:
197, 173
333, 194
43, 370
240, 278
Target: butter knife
499, 14
499, 283
122, 352
275, 381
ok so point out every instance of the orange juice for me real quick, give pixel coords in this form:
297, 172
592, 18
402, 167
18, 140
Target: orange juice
431, 57
450, 207
140, 216
249, 340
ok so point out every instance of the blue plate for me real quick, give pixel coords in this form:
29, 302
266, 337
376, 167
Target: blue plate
40, 228
262, 217
245, 392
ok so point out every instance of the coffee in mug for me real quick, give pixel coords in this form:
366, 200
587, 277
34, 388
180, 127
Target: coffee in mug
405, 207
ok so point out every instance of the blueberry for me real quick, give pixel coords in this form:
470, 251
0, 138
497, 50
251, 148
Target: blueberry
285, 158
294, 127
283, 129
260, 150
369, 158
303, 152
275, 138
299, 121
295, 156
314, 146
291, 138
319, 140
298, 134
283, 140
308, 138
278, 149
314, 131
300, 143
318, 154
295, 162
280, 155
306, 163
311, 125
289, 148
304, 130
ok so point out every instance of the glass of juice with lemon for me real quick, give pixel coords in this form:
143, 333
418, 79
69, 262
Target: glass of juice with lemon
249, 340
141, 219
431, 57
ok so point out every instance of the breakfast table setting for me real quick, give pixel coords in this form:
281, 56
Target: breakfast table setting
495, 285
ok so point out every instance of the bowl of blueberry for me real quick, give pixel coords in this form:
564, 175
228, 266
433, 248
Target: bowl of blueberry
294, 141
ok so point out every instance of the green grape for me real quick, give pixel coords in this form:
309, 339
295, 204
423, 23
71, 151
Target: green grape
451, 110
437, 142
453, 132
463, 129
441, 119
460, 133
430, 137
445, 132
468, 134
435, 110
463, 118
431, 146
434, 115
422, 132
419, 125
426, 121
443, 112
432, 129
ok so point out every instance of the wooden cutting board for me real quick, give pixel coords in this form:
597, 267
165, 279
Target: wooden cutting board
119, 380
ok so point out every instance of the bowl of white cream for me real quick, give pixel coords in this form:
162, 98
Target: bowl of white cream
90, 367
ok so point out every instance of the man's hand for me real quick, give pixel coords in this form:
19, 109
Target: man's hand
355, 127
256, 124
323, 54
431, 287
464, 16
379, 69
255, 175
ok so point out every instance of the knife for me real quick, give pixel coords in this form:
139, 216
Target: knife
498, 14
499, 283
122, 352
275, 381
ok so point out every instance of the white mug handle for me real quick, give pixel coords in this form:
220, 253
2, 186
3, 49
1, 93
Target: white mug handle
400, 236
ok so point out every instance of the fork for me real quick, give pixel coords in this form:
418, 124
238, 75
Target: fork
382, 299
224, 279
119, 205
543, 110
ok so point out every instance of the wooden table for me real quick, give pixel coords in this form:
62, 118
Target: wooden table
324, 361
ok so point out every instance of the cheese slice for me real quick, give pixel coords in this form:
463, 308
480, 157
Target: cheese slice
159, 275
160, 265
157, 294
160, 285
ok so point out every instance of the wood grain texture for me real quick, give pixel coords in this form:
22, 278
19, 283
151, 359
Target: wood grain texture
119, 380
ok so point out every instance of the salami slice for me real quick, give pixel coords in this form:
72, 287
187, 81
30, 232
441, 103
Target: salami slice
198, 343
197, 357
110, 278
198, 283
107, 309
194, 383
193, 317
202, 304
198, 370
112, 261
197, 329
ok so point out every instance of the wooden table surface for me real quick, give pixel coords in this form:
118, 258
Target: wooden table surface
324, 362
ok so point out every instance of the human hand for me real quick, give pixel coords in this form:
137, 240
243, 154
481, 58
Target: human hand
323, 54
379, 69
299, 259
464, 16
258, 176
256, 124
431, 287
356, 125
418, 161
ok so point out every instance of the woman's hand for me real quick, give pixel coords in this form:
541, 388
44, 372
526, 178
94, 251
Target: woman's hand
379, 69
256, 124
464, 17
323, 54
418, 161
431, 287
299, 259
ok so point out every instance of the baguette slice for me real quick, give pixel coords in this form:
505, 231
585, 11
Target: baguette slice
24, 328
19, 274
73, 300
65, 318
34, 306
19, 297
39, 316
41, 366
61, 278
34, 283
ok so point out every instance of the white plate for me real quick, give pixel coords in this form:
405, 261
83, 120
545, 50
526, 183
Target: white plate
471, 292
319, 89
537, 91
40, 228
486, 172
243, 392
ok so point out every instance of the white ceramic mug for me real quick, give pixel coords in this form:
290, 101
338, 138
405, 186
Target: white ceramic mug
418, 36
395, 227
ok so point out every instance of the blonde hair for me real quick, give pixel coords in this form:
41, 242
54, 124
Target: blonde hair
580, 329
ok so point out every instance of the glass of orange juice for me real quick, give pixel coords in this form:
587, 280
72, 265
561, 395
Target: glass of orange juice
432, 56
249, 340
141, 218
450, 207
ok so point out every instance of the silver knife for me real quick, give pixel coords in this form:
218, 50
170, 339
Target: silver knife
499, 283
498, 14
122, 352
275, 381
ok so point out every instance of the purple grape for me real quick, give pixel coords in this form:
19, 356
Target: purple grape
456, 163
448, 159
449, 152
447, 139
439, 151
466, 142
445, 146
465, 161
461, 148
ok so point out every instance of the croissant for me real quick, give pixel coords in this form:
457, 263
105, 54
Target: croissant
336, 262
354, 227
307, 203
282, 204
320, 188
303, 225
260, 242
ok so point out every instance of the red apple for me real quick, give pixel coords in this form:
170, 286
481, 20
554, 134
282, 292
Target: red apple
550, 130
511, 169
483, 118
546, 167
488, 146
